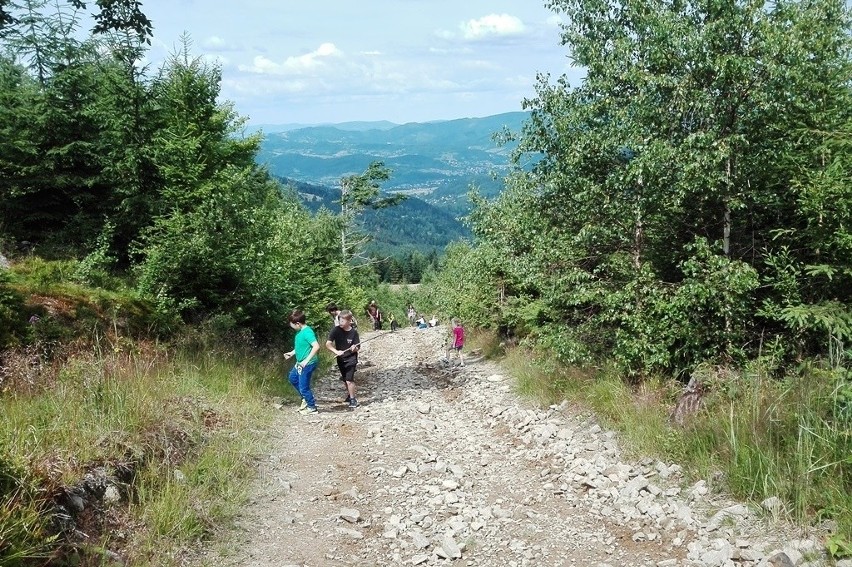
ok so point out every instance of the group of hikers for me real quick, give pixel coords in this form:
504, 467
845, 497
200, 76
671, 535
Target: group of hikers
344, 342
376, 317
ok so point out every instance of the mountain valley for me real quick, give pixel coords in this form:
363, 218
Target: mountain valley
435, 164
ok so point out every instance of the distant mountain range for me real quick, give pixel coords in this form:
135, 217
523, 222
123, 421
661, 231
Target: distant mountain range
434, 163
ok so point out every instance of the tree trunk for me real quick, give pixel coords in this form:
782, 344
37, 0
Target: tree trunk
343, 191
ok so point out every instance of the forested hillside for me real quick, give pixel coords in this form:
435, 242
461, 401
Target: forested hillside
413, 225
435, 164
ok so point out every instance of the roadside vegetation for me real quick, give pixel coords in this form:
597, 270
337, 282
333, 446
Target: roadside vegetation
148, 265
112, 440
673, 248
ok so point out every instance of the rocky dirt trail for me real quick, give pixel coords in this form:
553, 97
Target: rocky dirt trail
448, 466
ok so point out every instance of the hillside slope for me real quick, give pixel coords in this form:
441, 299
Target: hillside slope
412, 225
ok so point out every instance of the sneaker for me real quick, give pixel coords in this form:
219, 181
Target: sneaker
303, 405
353, 403
347, 400
308, 411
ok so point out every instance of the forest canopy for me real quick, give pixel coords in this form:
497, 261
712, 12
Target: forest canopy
690, 201
146, 173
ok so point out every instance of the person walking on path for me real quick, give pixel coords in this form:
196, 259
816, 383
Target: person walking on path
456, 342
375, 315
412, 315
305, 349
343, 341
334, 311
393, 324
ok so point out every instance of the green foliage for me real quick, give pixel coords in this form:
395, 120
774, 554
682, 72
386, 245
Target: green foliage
839, 547
23, 529
408, 267
661, 216
43, 274
141, 408
468, 286
688, 204
94, 270
12, 319
359, 193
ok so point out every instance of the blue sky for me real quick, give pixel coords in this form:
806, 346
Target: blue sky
329, 61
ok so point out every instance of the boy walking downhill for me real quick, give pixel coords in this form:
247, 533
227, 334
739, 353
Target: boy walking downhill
456, 341
305, 349
343, 341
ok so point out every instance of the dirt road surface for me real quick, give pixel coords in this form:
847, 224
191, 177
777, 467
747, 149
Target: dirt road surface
444, 465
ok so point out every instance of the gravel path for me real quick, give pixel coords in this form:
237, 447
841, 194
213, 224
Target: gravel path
447, 466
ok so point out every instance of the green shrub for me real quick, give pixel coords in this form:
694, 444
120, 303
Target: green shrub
22, 527
42, 274
12, 318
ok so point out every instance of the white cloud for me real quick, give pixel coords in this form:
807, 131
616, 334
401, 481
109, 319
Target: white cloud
300, 64
492, 25
214, 43
450, 51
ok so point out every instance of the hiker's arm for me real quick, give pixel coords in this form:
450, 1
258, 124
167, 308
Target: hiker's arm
330, 346
314, 350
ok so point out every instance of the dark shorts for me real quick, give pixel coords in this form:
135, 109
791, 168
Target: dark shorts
347, 370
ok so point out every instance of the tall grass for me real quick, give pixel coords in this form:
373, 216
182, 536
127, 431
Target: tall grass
793, 439
186, 421
790, 438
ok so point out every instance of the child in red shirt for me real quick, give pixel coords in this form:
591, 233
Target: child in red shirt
456, 341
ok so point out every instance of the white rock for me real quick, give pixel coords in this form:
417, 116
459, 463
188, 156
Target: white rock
400, 472
419, 540
354, 534
450, 547
112, 495
351, 515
